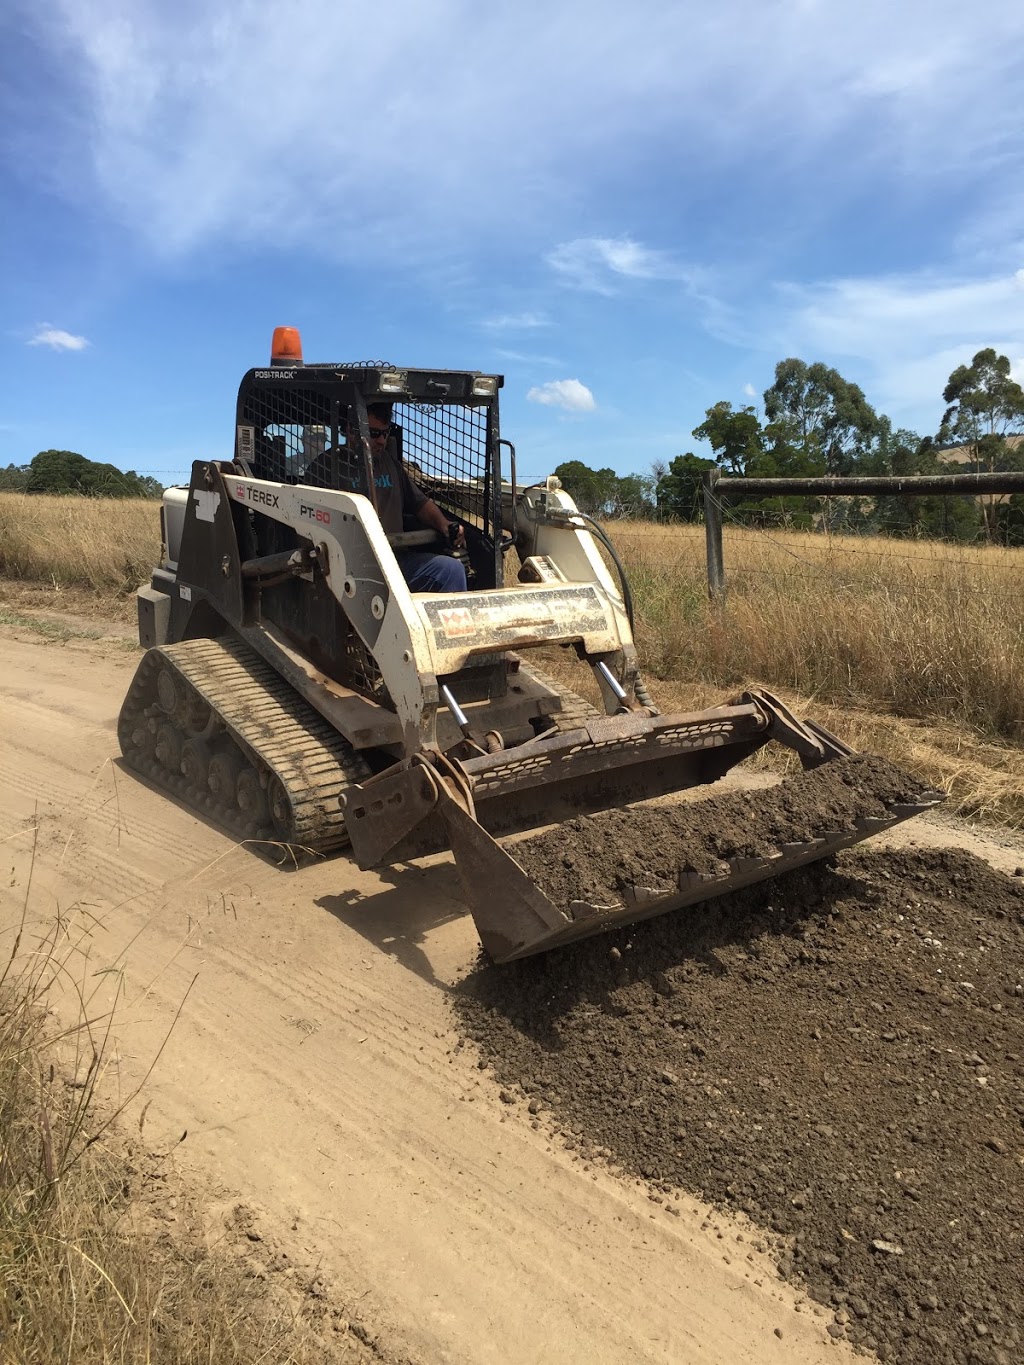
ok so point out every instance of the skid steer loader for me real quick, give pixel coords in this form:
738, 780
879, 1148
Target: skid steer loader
297, 692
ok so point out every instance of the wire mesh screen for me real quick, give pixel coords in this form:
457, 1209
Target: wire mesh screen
287, 434
283, 431
360, 671
444, 447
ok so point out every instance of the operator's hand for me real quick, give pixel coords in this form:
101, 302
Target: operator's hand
458, 536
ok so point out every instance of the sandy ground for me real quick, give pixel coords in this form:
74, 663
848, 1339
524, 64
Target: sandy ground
314, 1064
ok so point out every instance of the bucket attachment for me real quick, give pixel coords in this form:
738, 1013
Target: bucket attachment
607, 764
515, 918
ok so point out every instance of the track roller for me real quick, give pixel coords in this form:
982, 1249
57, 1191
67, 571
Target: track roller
252, 797
222, 777
168, 747
195, 762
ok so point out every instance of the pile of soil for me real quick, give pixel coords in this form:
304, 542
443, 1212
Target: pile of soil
837, 1053
592, 858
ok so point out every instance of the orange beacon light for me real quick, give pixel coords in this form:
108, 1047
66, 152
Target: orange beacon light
286, 347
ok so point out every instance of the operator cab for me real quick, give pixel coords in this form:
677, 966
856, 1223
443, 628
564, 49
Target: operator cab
307, 424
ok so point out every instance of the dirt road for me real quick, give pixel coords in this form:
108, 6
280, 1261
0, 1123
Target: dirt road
315, 1066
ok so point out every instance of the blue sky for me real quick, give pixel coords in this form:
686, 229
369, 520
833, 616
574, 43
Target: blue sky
630, 211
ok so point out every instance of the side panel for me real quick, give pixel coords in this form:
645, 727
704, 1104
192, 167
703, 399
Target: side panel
209, 562
359, 567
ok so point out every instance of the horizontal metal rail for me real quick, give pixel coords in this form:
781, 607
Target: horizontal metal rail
916, 485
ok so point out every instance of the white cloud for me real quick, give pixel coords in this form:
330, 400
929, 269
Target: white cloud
592, 263
57, 340
854, 313
905, 74
516, 322
569, 394
749, 390
283, 125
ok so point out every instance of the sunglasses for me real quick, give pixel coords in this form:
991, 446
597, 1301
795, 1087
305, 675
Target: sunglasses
379, 433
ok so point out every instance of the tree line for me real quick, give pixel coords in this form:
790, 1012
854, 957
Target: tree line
65, 471
817, 423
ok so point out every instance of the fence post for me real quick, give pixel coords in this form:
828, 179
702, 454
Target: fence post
713, 536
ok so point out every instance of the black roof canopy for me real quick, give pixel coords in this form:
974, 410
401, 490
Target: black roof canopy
377, 381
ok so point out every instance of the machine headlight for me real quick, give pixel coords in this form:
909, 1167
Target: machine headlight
485, 386
392, 381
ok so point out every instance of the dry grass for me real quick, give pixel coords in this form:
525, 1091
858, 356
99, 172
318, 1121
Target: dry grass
912, 629
914, 650
90, 1269
106, 544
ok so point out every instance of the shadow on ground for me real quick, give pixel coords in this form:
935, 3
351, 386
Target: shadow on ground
399, 920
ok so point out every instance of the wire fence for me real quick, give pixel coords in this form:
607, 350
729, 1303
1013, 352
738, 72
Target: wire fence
852, 492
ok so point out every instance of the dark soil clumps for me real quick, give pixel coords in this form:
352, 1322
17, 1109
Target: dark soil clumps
593, 858
837, 1053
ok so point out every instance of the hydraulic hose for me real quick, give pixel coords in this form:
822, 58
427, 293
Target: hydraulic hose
598, 530
643, 696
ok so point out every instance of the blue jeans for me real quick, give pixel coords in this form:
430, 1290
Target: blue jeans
432, 573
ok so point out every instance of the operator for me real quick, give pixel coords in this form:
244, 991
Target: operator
398, 495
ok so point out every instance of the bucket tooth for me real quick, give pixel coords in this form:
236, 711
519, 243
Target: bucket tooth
743, 867
640, 895
583, 910
873, 824
689, 880
904, 812
798, 850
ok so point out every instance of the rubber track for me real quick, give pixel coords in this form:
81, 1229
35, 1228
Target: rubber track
269, 722
576, 710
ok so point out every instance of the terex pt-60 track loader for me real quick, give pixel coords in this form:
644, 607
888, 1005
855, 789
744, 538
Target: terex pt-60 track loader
297, 691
